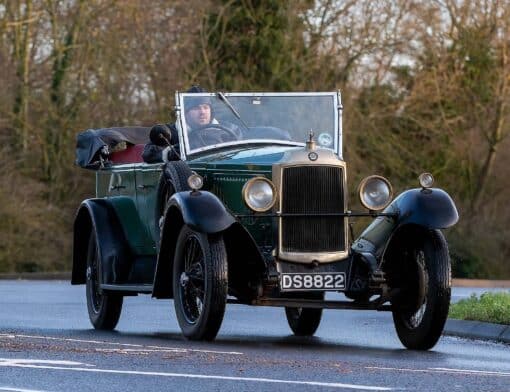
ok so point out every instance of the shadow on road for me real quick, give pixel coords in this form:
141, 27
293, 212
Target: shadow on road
254, 343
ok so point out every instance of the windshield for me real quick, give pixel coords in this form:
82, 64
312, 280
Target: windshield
216, 120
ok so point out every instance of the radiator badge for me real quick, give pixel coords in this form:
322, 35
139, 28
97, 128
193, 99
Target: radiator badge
313, 156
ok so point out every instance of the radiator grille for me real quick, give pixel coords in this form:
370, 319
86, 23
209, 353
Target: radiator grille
312, 190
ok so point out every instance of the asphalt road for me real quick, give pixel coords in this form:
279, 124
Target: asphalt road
47, 344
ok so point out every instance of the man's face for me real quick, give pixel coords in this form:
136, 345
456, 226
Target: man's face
199, 115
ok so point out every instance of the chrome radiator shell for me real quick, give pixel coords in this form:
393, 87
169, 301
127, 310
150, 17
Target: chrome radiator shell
311, 187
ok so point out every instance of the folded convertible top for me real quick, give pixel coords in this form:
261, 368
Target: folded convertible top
94, 145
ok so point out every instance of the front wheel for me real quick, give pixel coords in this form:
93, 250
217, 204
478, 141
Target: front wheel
104, 309
200, 283
305, 321
420, 312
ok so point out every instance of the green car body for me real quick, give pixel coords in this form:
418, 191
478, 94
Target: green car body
131, 237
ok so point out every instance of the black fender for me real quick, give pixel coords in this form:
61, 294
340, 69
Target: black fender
202, 211
115, 256
428, 208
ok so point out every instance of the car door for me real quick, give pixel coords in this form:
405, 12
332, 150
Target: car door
147, 177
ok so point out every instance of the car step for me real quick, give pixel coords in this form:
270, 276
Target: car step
128, 289
310, 303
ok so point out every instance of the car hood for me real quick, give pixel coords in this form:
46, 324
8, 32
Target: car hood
255, 158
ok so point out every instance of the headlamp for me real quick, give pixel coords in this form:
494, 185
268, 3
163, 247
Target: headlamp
375, 192
259, 194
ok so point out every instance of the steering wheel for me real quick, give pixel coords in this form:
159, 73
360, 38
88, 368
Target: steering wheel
214, 133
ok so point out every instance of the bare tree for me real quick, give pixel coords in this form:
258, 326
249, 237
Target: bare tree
20, 18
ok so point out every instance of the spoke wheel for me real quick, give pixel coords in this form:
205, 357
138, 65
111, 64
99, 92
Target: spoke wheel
104, 309
420, 312
304, 321
191, 280
200, 283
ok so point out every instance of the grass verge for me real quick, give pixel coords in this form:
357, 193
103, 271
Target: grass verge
489, 307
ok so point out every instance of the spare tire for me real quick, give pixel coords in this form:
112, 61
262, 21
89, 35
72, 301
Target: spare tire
174, 178
177, 172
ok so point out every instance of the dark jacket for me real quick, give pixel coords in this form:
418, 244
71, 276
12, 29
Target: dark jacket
153, 153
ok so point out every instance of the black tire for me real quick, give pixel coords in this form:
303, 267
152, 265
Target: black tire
305, 321
104, 309
200, 283
420, 312
178, 172
173, 179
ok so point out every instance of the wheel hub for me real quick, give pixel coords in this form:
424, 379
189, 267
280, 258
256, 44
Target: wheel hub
184, 279
421, 293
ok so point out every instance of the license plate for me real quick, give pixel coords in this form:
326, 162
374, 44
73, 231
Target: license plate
322, 281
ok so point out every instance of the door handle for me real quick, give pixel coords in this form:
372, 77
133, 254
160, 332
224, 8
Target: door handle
115, 187
145, 186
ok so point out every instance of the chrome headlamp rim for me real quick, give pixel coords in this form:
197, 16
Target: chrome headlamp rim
362, 186
426, 180
195, 181
247, 187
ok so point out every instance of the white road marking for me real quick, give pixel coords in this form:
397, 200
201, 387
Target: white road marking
173, 349
139, 350
477, 372
146, 349
18, 389
444, 370
20, 364
23, 361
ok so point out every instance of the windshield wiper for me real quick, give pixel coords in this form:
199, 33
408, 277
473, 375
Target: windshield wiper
223, 98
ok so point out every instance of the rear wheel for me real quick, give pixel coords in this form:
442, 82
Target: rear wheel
104, 309
305, 321
420, 311
200, 283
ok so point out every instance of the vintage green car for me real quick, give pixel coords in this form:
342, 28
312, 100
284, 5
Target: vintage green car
254, 211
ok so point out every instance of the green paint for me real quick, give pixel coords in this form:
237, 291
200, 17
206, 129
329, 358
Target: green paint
133, 228
225, 173
118, 185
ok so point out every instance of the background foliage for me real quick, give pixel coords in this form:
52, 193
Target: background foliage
425, 87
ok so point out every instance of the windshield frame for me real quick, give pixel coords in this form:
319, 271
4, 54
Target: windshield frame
183, 133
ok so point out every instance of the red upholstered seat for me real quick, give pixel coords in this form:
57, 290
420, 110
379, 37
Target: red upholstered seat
132, 154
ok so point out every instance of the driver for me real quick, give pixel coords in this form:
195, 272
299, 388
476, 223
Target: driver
203, 129
162, 152
198, 113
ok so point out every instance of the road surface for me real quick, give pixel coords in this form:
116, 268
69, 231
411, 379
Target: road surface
47, 344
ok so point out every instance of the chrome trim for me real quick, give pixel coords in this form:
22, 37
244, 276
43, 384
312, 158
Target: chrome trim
273, 94
120, 167
246, 142
178, 126
300, 158
308, 258
339, 125
182, 130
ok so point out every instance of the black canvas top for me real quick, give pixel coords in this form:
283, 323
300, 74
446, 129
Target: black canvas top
92, 143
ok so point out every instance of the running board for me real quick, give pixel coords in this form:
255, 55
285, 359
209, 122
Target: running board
317, 304
128, 289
